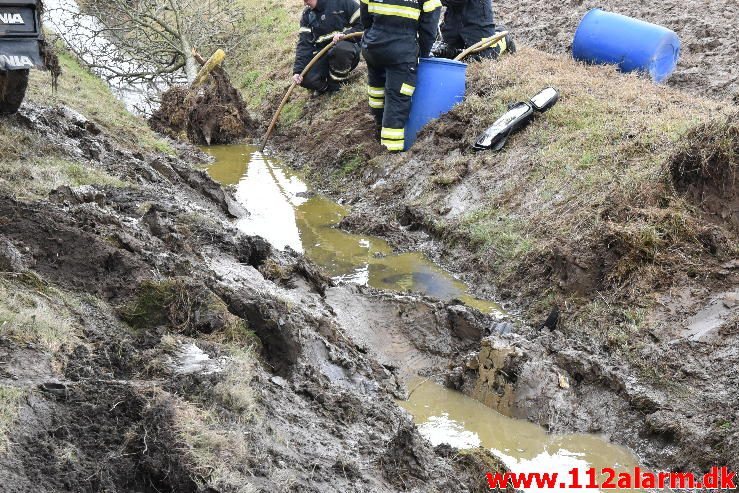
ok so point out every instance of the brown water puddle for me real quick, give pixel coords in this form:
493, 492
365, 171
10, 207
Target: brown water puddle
281, 213
447, 416
284, 213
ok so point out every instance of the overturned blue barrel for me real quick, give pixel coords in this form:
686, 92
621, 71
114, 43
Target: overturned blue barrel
439, 86
632, 44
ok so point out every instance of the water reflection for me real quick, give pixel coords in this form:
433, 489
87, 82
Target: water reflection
280, 213
447, 416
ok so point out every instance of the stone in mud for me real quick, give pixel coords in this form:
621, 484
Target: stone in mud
497, 374
11, 260
78, 195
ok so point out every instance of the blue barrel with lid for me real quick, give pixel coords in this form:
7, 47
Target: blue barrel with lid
439, 86
632, 44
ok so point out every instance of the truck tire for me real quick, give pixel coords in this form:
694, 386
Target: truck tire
13, 84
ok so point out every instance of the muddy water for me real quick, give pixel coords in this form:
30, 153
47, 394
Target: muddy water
446, 416
282, 212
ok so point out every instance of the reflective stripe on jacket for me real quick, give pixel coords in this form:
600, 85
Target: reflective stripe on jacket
415, 20
318, 26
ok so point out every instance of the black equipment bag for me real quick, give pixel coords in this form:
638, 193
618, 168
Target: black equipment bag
518, 116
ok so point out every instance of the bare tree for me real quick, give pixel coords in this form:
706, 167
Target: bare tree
146, 40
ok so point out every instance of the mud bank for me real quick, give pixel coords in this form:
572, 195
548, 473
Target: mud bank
142, 348
579, 212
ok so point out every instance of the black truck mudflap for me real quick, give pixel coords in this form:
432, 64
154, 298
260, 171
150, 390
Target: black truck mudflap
19, 35
18, 54
17, 19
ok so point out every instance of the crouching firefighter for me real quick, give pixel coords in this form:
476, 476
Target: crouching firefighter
467, 22
397, 33
323, 21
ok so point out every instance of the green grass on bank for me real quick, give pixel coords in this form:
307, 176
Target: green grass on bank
263, 67
578, 209
88, 94
31, 165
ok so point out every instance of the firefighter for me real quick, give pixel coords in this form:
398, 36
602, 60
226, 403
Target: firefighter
467, 22
323, 21
397, 33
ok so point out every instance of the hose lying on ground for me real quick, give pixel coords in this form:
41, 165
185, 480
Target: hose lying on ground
477, 47
481, 45
292, 86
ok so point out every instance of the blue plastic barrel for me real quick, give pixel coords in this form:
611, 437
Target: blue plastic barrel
604, 37
439, 86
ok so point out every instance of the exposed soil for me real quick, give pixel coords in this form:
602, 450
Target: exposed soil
645, 349
709, 62
706, 170
214, 113
278, 397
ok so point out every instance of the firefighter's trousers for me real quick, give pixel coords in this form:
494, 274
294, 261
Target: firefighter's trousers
390, 87
333, 68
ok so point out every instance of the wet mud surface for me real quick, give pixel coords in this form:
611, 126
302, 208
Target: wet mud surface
165, 299
709, 63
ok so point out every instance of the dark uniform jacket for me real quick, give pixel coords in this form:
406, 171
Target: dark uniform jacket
467, 21
403, 30
318, 26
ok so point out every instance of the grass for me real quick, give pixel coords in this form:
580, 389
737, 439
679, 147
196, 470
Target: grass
235, 391
89, 95
34, 177
10, 398
263, 68
219, 451
32, 315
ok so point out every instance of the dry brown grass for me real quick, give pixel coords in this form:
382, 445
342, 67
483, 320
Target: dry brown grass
219, 452
32, 315
10, 398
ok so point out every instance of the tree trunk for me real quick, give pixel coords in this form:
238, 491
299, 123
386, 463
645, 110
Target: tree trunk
191, 65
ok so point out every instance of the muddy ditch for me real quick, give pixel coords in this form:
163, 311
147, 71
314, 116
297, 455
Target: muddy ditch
664, 389
185, 369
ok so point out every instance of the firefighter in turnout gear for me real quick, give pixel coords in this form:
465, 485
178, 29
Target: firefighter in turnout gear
397, 33
323, 21
467, 22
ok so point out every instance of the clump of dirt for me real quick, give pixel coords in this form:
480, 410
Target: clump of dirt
171, 118
186, 307
473, 466
706, 168
214, 113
